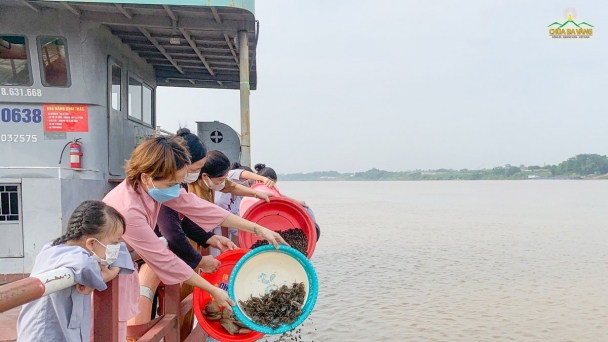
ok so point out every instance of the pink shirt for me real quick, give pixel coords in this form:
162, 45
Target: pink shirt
141, 212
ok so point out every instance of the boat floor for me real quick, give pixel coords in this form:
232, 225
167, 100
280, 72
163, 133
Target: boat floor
8, 325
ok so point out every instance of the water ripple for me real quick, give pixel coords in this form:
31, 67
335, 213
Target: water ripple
458, 261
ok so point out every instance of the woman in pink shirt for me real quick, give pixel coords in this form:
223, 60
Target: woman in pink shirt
153, 175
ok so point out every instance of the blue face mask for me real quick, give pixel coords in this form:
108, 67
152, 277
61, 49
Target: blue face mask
164, 195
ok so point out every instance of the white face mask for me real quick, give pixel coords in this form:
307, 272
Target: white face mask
215, 187
111, 254
191, 177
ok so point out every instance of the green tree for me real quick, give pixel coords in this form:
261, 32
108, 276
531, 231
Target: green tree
512, 170
583, 164
499, 170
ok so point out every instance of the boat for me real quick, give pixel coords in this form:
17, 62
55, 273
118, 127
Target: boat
78, 83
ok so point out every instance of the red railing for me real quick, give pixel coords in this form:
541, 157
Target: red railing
26, 290
105, 308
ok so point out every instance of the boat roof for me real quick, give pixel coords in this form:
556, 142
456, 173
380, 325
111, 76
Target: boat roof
190, 43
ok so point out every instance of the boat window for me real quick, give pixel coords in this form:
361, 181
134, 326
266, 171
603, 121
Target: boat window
14, 61
147, 104
116, 87
141, 101
9, 202
135, 98
54, 64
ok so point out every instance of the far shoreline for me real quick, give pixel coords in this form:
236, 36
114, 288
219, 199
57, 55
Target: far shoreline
440, 180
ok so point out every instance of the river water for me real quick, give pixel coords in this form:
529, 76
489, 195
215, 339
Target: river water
459, 260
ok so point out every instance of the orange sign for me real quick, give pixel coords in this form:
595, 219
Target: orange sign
66, 118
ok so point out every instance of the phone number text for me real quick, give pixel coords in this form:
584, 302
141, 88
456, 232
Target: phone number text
21, 92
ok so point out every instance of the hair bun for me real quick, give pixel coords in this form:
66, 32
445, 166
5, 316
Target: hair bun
259, 166
183, 131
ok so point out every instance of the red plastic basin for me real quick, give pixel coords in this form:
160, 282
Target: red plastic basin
278, 215
220, 279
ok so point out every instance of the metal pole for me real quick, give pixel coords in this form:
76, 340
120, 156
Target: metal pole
244, 89
36, 286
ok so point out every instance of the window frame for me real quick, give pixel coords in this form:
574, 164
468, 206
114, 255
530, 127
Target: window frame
41, 62
152, 105
19, 203
129, 98
29, 61
111, 84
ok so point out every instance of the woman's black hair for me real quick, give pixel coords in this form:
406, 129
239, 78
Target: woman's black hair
258, 167
238, 166
196, 147
268, 172
94, 218
235, 165
216, 164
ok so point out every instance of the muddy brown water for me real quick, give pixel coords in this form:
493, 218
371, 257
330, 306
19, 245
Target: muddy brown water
458, 260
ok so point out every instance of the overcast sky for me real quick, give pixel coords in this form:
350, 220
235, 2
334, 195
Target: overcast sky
402, 85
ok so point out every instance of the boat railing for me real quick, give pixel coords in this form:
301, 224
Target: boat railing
105, 307
23, 291
160, 131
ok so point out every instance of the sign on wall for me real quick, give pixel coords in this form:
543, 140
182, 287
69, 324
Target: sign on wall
66, 118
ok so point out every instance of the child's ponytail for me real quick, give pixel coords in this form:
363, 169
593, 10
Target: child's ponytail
91, 218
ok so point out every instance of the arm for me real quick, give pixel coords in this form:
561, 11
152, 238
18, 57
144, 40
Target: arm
124, 260
254, 176
109, 273
208, 216
240, 190
302, 203
169, 268
172, 229
196, 233
140, 236
106, 274
87, 272
220, 296
204, 214
234, 221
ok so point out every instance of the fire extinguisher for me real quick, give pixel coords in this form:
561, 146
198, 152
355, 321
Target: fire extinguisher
75, 154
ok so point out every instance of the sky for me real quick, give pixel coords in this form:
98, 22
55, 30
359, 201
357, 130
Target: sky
419, 84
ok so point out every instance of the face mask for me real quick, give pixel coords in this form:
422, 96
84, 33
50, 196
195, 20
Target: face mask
191, 177
111, 254
164, 195
215, 187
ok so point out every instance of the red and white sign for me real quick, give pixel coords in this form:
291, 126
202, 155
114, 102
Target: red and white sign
66, 118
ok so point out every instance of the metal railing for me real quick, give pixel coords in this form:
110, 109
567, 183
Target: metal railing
26, 290
105, 307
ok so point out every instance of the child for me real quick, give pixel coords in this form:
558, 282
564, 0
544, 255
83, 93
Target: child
89, 248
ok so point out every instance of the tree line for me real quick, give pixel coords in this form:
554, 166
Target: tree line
582, 165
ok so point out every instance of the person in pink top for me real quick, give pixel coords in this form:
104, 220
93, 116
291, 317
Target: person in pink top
153, 175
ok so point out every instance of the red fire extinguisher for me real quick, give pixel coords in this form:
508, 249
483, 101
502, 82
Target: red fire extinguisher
75, 154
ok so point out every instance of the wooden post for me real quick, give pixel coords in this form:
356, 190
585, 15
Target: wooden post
172, 307
105, 313
244, 96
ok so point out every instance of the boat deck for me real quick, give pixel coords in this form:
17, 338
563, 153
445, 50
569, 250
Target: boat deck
8, 322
